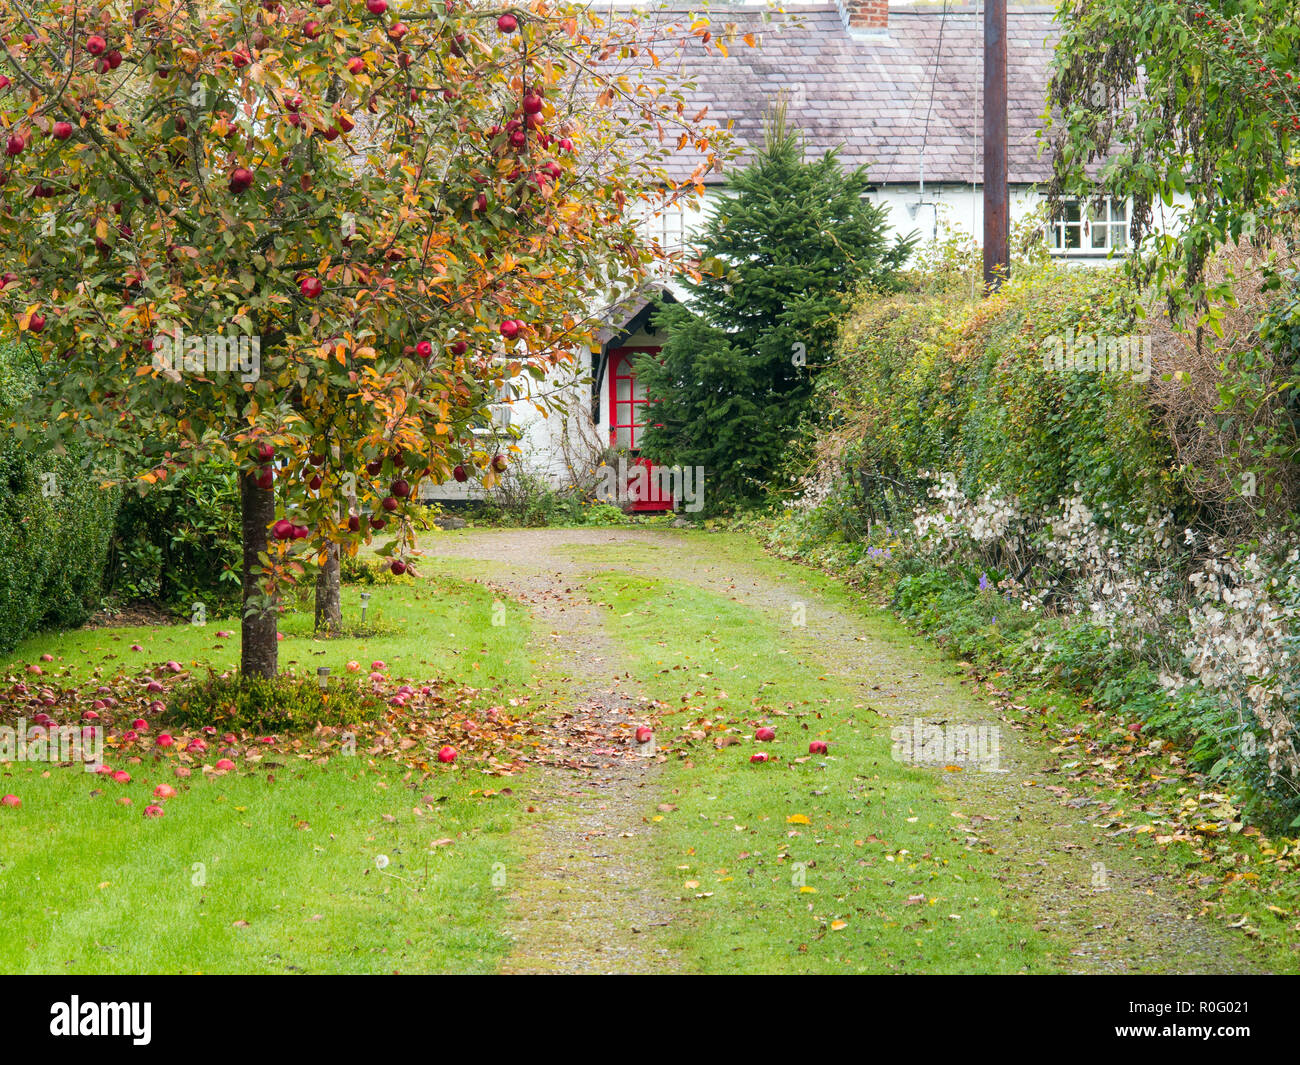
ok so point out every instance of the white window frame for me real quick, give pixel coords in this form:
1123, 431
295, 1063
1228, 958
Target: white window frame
1102, 229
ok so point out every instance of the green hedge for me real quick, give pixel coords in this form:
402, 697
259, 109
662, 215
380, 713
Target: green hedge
944, 383
55, 530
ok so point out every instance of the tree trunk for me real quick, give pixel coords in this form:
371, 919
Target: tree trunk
259, 649
329, 606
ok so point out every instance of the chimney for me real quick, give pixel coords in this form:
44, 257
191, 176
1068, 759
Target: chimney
869, 16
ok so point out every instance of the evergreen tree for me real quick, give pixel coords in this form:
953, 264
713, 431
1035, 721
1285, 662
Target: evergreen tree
780, 258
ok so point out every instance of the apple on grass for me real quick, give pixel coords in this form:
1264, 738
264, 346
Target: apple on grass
224, 765
818, 747
153, 810
164, 791
644, 734
765, 734
165, 739
761, 756
447, 755
12, 801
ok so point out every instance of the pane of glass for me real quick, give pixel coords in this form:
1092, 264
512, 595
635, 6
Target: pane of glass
623, 437
1119, 235
1099, 237
1073, 235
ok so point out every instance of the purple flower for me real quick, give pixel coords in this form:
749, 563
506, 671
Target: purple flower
984, 582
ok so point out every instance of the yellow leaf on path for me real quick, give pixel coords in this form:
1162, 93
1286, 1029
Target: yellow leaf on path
838, 925
797, 819
806, 890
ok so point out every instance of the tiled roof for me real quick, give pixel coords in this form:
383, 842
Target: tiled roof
896, 100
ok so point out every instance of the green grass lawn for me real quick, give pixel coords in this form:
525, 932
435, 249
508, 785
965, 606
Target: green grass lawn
436, 626
840, 863
275, 868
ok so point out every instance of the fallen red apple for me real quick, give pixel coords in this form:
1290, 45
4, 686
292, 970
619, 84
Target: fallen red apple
122, 776
12, 801
765, 734
197, 746
817, 747
762, 756
165, 740
447, 754
90, 715
643, 734
153, 810
224, 765
140, 725
164, 791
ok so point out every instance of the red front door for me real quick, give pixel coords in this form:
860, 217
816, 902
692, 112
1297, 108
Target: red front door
630, 412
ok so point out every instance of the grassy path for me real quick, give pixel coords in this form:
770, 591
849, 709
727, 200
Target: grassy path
849, 862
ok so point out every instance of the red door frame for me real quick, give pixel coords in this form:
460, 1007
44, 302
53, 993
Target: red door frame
621, 359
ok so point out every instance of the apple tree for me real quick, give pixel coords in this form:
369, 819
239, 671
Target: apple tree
314, 237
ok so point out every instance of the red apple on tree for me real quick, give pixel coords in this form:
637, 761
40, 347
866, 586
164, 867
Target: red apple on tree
61, 131
241, 180
507, 23
96, 44
461, 474
311, 287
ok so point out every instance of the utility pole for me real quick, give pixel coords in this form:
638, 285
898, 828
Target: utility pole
997, 230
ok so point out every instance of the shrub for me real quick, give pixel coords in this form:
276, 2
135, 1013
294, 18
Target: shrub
179, 544
55, 523
280, 704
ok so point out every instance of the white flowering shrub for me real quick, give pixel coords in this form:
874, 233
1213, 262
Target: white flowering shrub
1226, 625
